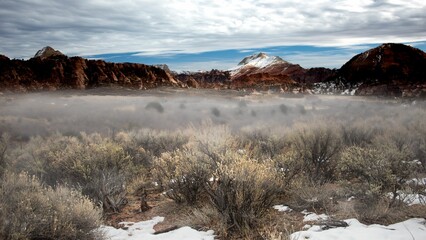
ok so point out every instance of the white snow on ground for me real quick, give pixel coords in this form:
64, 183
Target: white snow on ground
282, 208
350, 198
309, 216
418, 181
412, 229
412, 199
145, 230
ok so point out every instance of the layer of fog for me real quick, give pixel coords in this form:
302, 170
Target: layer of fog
110, 110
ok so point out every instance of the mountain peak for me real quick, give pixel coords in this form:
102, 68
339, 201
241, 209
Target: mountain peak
260, 60
47, 52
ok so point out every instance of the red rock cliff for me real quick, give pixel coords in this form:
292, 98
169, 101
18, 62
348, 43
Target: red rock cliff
59, 72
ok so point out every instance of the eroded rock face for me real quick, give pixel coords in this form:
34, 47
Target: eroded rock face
60, 71
210, 79
388, 70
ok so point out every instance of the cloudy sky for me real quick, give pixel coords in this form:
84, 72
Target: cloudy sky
205, 34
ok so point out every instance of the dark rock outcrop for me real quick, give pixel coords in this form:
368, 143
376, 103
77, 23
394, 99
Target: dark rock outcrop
388, 70
210, 79
60, 72
316, 75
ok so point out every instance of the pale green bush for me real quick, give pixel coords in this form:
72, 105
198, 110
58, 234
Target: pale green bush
242, 189
4, 142
359, 133
30, 211
260, 144
96, 165
375, 172
144, 145
183, 174
318, 147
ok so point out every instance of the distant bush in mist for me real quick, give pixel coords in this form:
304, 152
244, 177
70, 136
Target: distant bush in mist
156, 106
216, 112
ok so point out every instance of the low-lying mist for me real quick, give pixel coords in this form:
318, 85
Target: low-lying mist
110, 110
233, 154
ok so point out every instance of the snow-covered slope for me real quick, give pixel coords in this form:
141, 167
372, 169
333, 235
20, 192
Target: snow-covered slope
260, 60
47, 52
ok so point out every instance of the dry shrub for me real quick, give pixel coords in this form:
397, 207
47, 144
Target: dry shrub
260, 144
417, 133
377, 175
279, 226
145, 144
183, 174
289, 167
358, 133
30, 211
377, 170
305, 195
96, 165
205, 218
217, 137
4, 142
102, 170
242, 189
318, 147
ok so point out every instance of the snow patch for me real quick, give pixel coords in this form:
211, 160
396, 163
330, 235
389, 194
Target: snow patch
314, 217
417, 181
145, 230
350, 198
410, 198
282, 208
333, 88
414, 228
41, 52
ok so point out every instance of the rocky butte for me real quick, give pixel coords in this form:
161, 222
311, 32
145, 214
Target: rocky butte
390, 70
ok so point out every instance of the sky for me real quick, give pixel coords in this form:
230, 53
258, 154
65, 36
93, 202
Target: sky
204, 34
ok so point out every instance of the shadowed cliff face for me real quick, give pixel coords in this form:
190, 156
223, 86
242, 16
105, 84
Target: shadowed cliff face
390, 69
215, 79
61, 72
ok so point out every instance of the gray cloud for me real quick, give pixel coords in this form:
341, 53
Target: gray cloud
83, 27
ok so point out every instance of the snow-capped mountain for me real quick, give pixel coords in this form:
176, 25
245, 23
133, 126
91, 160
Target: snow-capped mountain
259, 60
47, 52
261, 69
